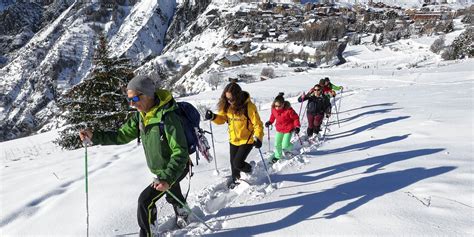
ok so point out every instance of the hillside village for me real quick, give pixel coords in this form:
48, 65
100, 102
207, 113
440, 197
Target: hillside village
261, 26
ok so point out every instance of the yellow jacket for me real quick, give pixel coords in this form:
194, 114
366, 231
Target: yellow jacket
242, 129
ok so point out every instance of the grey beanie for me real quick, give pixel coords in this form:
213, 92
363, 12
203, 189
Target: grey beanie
143, 84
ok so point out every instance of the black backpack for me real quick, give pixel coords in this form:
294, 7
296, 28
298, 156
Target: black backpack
190, 119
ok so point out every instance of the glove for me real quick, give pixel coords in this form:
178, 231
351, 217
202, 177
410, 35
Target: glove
209, 115
257, 143
267, 124
296, 130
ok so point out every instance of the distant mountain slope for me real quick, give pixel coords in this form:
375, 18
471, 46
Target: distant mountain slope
60, 55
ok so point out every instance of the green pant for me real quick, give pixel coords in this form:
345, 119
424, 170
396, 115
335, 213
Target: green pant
282, 142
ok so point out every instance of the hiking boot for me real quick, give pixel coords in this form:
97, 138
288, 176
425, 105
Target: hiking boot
233, 182
181, 217
290, 153
247, 168
252, 165
274, 160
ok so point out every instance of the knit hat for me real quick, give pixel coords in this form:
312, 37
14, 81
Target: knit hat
143, 84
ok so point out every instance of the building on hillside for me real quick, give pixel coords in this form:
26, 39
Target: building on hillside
421, 17
309, 1
231, 60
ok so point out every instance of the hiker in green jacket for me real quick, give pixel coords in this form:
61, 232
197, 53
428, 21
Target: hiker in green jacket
329, 88
166, 154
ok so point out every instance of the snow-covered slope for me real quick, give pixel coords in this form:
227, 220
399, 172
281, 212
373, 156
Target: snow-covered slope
133, 39
60, 55
400, 163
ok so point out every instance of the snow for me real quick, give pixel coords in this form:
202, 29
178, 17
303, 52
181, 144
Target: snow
401, 162
137, 29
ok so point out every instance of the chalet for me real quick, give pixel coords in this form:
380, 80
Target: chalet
232, 60
278, 16
258, 38
422, 17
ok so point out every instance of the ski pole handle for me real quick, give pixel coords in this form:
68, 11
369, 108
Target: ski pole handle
86, 142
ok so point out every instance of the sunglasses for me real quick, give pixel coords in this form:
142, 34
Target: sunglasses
134, 99
317, 89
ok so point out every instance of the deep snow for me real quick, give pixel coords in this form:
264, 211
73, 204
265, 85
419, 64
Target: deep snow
401, 162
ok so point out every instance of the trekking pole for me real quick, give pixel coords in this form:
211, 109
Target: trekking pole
86, 142
325, 129
337, 112
304, 114
340, 99
189, 210
301, 106
264, 165
299, 138
268, 135
213, 147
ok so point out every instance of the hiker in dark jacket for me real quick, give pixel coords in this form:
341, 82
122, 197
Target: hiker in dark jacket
166, 154
317, 106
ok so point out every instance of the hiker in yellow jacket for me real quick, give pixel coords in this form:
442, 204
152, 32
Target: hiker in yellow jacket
245, 127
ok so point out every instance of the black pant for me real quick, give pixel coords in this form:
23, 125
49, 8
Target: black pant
341, 59
238, 154
146, 212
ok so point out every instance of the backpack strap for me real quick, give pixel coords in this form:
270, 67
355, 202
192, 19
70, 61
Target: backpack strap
138, 127
246, 114
161, 126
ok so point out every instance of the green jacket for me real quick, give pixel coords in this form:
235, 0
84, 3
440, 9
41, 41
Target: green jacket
334, 87
166, 156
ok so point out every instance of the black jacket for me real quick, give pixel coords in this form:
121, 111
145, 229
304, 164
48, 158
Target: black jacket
316, 105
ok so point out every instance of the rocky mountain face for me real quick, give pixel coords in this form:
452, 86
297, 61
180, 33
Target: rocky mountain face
185, 15
45, 48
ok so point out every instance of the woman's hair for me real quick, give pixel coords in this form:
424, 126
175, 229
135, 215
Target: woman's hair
280, 99
239, 97
321, 82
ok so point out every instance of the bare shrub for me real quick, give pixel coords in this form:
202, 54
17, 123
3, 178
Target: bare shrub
214, 80
437, 45
268, 72
330, 49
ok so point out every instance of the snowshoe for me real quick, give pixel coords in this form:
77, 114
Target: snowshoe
291, 153
181, 217
232, 183
274, 160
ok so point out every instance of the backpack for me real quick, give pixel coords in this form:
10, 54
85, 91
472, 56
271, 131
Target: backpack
190, 119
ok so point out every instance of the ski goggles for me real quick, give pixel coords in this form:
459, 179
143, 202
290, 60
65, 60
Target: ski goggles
134, 99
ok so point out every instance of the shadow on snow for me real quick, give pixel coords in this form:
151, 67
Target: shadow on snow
358, 192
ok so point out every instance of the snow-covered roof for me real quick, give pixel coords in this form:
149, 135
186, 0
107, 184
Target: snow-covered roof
235, 57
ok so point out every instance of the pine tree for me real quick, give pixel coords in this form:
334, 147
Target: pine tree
98, 102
